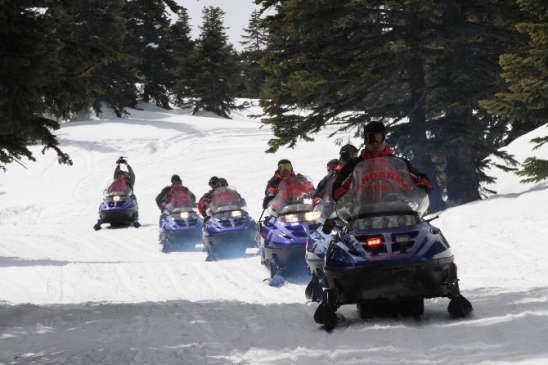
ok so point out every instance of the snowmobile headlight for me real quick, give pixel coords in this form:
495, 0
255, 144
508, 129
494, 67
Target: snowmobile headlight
291, 218
402, 239
116, 198
236, 213
185, 215
312, 216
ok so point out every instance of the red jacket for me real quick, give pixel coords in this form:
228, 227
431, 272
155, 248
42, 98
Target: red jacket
272, 184
344, 179
204, 202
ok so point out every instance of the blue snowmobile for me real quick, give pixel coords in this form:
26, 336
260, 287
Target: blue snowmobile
286, 229
180, 223
318, 243
229, 230
118, 208
386, 258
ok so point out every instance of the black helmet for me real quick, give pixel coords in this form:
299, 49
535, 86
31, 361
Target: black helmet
374, 128
175, 178
213, 181
346, 150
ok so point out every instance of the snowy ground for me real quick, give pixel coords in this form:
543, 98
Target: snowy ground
70, 295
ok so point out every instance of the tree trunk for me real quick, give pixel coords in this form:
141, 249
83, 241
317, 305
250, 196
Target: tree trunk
463, 183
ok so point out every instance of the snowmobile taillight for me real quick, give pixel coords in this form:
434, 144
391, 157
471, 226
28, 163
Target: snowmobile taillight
374, 242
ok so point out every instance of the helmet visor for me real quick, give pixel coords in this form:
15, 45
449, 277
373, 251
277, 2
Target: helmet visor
285, 167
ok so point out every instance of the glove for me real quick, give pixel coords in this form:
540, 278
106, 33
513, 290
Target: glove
267, 200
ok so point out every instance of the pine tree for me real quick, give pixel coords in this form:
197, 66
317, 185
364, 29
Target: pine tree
146, 43
255, 41
98, 27
181, 47
424, 63
215, 67
525, 69
46, 70
37, 85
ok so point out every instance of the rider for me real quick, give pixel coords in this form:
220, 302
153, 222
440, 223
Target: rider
204, 201
375, 146
176, 184
332, 169
285, 170
223, 196
123, 179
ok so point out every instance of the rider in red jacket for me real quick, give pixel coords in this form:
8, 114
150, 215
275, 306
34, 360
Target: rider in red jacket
375, 146
204, 201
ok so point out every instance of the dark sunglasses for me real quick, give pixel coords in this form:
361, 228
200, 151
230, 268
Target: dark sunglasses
372, 138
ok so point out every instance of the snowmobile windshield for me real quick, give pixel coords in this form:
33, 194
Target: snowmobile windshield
226, 199
294, 196
112, 192
117, 188
180, 201
382, 195
326, 206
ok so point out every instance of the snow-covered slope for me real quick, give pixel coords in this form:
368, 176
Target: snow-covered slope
71, 295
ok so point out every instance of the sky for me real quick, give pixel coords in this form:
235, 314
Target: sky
71, 295
236, 18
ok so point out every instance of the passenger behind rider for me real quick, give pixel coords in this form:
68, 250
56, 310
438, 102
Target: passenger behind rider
346, 153
285, 170
332, 166
204, 201
375, 146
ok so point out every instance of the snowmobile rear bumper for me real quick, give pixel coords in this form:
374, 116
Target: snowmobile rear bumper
426, 279
244, 237
118, 217
182, 238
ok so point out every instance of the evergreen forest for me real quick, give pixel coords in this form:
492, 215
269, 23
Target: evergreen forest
454, 81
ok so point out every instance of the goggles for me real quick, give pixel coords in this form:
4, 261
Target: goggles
177, 182
285, 167
371, 138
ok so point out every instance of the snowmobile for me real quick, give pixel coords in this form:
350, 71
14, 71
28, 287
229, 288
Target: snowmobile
318, 243
118, 208
228, 230
180, 223
285, 232
386, 258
